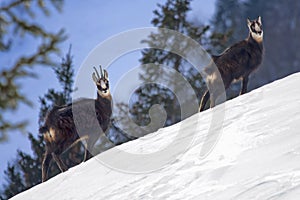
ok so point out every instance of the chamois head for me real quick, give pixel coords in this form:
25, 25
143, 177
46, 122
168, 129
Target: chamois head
102, 82
255, 28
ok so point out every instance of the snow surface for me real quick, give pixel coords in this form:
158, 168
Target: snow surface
257, 156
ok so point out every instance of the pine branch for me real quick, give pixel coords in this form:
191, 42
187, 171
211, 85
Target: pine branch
10, 75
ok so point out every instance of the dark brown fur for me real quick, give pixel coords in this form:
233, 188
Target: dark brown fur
66, 125
235, 63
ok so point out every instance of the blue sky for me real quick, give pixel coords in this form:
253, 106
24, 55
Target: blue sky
87, 23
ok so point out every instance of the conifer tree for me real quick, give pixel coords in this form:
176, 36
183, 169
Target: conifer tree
171, 15
18, 22
25, 172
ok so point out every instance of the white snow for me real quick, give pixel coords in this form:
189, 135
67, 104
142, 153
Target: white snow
257, 156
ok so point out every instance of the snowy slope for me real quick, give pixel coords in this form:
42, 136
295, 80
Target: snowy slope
256, 157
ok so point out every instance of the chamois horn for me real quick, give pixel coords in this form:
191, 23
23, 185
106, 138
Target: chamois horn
101, 71
98, 76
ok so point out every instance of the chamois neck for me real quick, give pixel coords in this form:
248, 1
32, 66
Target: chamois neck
104, 105
106, 99
256, 41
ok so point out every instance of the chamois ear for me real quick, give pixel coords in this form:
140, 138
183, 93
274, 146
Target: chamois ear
259, 19
94, 77
248, 22
105, 75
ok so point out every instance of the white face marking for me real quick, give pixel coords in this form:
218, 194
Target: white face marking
256, 27
103, 85
257, 37
104, 94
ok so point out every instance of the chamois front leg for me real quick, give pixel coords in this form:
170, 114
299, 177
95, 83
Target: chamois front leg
91, 140
244, 85
204, 100
87, 154
212, 100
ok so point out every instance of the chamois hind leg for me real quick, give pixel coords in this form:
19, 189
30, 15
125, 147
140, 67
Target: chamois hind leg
45, 165
204, 99
244, 85
59, 162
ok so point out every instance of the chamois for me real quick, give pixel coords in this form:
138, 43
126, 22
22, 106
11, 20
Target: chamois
81, 120
237, 62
